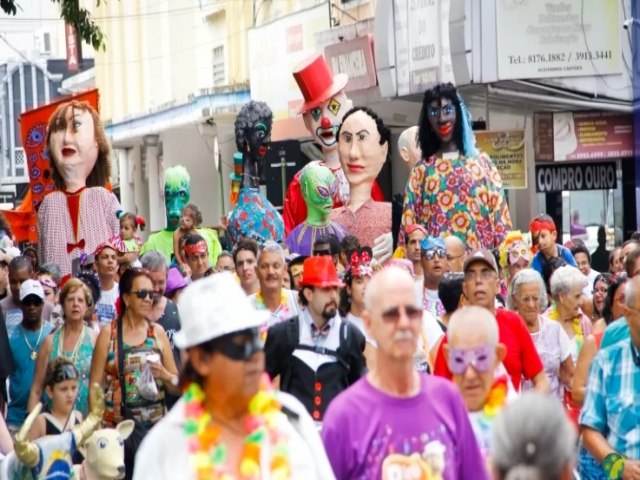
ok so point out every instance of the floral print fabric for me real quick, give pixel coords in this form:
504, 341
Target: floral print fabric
460, 196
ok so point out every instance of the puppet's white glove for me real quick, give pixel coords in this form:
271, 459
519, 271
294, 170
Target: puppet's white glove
383, 248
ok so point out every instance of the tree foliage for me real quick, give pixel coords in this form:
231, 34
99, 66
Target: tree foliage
70, 12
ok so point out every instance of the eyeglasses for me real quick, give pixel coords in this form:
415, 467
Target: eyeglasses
430, 254
484, 274
480, 358
32, 301
141, 294
66, 372
434, 112
529, 299
393, 314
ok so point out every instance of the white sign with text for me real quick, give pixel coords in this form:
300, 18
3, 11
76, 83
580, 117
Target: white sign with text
552, 38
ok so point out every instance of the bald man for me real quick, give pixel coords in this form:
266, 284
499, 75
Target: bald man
475, 356
456, 252
389, 423
408, 147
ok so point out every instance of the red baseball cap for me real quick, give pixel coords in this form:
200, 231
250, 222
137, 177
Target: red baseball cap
320, 272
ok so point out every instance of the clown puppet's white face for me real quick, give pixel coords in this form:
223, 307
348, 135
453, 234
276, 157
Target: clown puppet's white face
323, 122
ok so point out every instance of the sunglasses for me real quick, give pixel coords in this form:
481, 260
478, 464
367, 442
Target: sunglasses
32, 301
392, 315
66, 372
319, 253
480, 358
430, 254
141, 294
240, 346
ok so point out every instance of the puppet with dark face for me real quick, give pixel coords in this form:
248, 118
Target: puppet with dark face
454, 189
253, 215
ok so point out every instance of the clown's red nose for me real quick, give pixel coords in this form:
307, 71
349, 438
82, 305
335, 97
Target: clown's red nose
325, 122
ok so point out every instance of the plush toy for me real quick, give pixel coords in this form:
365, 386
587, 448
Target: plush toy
253, 215
103, 453
50, 457
325, 103
177, 193
81, 213
318, 189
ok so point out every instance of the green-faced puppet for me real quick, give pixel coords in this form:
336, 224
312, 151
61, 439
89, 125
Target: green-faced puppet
318, 186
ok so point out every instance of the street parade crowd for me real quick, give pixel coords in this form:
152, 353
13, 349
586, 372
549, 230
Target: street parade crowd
347, 337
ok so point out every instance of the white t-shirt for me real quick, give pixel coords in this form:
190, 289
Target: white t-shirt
106, 306
591, 278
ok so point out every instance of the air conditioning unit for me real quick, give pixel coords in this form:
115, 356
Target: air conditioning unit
42, 40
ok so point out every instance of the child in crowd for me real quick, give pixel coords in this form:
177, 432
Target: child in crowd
61, 382
544, 236
190, 220
129, 224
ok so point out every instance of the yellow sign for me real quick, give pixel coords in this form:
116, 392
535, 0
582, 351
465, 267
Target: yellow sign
506, 149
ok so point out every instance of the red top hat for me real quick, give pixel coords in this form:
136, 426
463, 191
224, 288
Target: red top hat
316, 82
320, 272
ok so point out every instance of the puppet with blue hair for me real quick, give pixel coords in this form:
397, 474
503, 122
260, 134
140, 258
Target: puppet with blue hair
454, 189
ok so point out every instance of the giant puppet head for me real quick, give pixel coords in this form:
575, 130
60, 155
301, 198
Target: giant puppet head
177, 193
363, 143
253, 139
325, 101
318, 185
78, 148
445, 121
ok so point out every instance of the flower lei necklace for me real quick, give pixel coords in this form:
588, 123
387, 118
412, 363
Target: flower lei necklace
577, 327
283, 307
209, 457
496, 399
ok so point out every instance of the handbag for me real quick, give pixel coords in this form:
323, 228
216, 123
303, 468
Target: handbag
140, 430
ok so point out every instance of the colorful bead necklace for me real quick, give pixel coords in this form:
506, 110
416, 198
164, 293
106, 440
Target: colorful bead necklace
262, 423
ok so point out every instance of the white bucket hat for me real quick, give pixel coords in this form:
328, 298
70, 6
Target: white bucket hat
215, 306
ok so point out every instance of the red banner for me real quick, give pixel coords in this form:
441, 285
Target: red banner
33, 129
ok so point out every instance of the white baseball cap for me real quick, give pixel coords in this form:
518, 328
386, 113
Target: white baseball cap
215, 306
31, 287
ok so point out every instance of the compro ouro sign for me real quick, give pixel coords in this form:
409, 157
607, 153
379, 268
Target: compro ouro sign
575, 176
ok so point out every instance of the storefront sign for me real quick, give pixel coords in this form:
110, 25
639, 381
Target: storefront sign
355, 58
74, 48
506, 149
558, 38
412, 45
275, 49
583, 135
575, 176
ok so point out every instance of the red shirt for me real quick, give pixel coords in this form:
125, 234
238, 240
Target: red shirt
521, 360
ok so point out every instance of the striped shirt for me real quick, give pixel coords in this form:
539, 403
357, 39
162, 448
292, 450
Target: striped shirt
613, 396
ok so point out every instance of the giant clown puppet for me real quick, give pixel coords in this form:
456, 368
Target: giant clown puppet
253, 215
454, 189
325, 103
177, 193
81, 214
